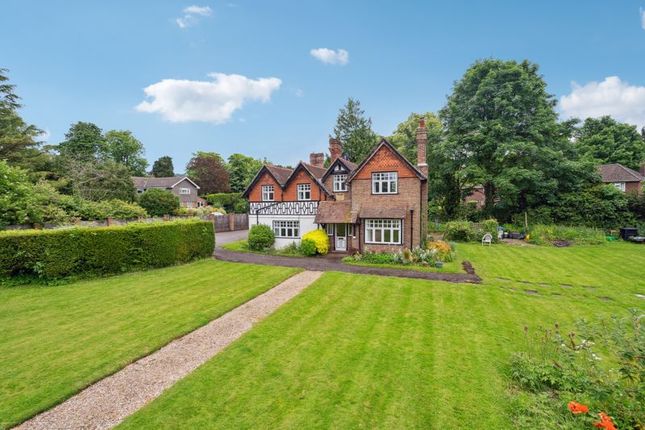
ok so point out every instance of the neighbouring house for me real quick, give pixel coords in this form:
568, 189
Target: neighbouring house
380, 204
477, 197
623, 178
181, 186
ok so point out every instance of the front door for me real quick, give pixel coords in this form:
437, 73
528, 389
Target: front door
341, 237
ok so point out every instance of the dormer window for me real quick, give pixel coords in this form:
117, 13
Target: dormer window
385, 183
340, 183
304, 192
267, 193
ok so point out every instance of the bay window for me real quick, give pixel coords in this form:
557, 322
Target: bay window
383, 231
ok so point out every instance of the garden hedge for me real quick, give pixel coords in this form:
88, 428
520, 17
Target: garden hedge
84, 250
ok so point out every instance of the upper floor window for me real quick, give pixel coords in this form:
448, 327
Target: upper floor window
184, 191
384, 183
620, 186
304, 191
340, 183
267, 193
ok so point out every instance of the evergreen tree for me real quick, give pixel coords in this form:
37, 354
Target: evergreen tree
354, 131
163, 167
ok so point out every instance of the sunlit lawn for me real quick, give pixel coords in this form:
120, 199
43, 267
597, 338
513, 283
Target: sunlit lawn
56, 340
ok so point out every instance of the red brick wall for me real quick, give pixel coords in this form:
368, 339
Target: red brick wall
255, 194
633, 187
385, 161
291, 191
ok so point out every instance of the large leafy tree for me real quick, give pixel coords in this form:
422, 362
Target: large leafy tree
501, 122
100, 180
354, 130
209, 171
242, 169
404, 138
609, 141
19, 141
163, 167
122, 147
84, 141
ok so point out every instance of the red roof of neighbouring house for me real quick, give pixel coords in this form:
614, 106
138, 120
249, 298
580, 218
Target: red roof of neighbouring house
618, 173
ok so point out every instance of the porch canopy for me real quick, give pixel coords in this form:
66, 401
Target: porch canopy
373, 211
333, 212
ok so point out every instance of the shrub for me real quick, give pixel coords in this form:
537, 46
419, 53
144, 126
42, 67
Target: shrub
231, 202
261, 237
462, 231
82, 250
489, 226
308, 247
159, 202
377, 258
442, 249
548, 234
320, 238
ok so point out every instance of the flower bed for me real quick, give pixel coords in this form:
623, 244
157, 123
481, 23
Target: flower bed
434, 255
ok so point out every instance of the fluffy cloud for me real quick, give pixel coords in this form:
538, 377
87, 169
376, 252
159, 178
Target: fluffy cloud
192, 14
612, 96
207, 101
331, 56
642, 11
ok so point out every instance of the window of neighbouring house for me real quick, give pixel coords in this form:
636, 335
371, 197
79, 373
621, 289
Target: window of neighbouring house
340, 183
620, 186
267, 193
304, 191
384, 183
184, 191
286, 229
383, 231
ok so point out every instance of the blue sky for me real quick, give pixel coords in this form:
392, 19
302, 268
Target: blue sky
239, 76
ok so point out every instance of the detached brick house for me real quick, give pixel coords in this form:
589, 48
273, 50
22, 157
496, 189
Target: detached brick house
623, 178
380, 204
181, 186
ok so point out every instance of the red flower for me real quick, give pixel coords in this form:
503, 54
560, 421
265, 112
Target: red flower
577, 408
605, 422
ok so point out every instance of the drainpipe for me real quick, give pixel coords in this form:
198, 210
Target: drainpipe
411, 228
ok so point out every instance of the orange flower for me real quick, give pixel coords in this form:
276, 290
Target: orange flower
577, 408
605, 422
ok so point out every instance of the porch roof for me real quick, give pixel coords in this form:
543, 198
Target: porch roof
333, 212
371, 211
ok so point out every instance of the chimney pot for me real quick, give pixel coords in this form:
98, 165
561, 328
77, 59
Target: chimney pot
422, 143
335, 149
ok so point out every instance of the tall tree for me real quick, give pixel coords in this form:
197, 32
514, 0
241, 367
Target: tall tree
19, 141
354, 130
163, 167
242, 169
501, 121
610, 141
122, 147
208, 170
404, 138
100, 180
84, 141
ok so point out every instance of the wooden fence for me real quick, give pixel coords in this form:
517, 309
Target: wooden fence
231, 222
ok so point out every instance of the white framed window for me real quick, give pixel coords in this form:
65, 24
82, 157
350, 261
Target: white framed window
286, 229
304, 191
267, 193
619, 185
184, 191
340, 183
329, 228
384, 183
383, 231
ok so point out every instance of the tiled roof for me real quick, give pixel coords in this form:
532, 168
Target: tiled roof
143, 182
318, 172
281, 174
618, 173
335, 212
374, 211
350, 166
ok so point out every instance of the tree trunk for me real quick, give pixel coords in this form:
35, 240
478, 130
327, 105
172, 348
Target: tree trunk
489, 194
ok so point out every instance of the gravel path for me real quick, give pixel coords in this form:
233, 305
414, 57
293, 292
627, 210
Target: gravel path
331, 264
109, 401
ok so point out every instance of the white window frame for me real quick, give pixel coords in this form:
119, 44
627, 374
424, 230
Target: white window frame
377, 231
184, 191
286, 229
329, 228
268, 193
388, 181
304, 192
340, 183
620, 186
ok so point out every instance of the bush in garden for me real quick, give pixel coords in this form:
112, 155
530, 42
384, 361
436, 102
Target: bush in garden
442, 249
159, 202
102, 250
320, 238
489, 226
461, 231
231, 202
261, 237
308, 247
548, 234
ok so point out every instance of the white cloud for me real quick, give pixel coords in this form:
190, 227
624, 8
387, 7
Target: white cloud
299, 92
331, 56
192, 14
612, 97
642, 11
206, 101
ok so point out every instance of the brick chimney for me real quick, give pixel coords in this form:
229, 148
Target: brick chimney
422, 143
335, 149
317, 159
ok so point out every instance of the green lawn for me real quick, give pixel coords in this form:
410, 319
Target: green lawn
356, 351
56, 340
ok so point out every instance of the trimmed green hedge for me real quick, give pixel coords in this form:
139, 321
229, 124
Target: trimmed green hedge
84, 250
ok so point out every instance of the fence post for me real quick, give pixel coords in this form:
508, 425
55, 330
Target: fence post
108, 221
231, 222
